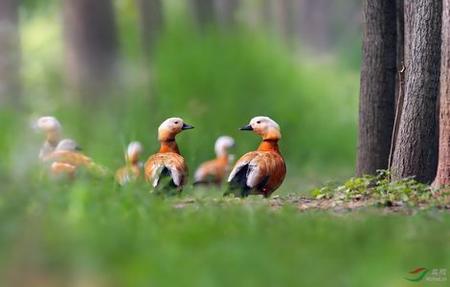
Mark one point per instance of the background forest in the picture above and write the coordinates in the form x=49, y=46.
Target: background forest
x=112, y=70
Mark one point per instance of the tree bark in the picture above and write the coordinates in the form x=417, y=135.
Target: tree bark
x=226, y=12
x=443, y=170
x=91, y=46
x=377, y=94
x=415, y=153
x=203, y=12
x=151, y=22
x=9, y=54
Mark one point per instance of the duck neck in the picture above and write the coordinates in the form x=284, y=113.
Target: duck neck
x=53, y=138
x=223, y=157
x=269, y=145
x=169, y=145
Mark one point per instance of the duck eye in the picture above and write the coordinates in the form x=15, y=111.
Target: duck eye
x=258, y=122
x=176, y=122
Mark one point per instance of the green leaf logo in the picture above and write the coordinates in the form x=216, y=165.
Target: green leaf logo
x=421, y=272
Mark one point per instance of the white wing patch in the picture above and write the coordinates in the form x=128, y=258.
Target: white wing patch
x=236, y=169
x=253, y=175
x=156, y=174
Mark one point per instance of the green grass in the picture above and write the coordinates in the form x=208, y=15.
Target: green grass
x=94, y=232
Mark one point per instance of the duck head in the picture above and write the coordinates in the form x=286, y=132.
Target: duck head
x=171, y=127
x=222, y=145
x=68, y=145
x=265, y=127
x=50, y=126
x=133, y=151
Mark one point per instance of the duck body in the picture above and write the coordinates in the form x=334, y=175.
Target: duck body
x=166, y=170
x=67, y=159
x=261, y=171
x=132, y=170
x=215, y=170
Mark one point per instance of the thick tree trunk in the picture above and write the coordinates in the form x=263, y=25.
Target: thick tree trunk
x=377, y=95
x=151, y=22
x=415, y=153
x=91, y=46
x=443, y=171
x=9, y=53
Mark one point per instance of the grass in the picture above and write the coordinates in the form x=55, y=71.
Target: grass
x=94, y=233
x=106, y=236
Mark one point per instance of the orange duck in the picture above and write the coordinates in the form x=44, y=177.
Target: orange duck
x=213, y=171
x=132, y=170
x=67, y=158
x=167, y=170
x=261, y=171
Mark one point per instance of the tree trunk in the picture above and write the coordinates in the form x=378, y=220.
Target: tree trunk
x=377, y=94
x=443, y=170
x=91, y=46
x=415, y=153
x=9, y=54
x=314, y=24
x=151, y=22
x=203, y=12
x=226, y=12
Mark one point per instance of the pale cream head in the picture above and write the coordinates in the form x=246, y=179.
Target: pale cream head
x=171, y=127
x=68, y=145
x=222, y=145
x=48, y=124
x=133, y=151
x=267, y=128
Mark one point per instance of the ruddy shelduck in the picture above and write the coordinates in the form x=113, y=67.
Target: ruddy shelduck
x=214, y=171
x=261, y=171
x=132, y=170
x=167, y=170
x=67, y=158
x=51, y=127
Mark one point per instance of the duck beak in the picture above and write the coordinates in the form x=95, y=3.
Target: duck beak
x=186, y=127
x=246, y=128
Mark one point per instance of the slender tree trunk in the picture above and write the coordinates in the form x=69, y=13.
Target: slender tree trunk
x=415, y=151
x=203, y=12
x=91, y=46
x=377, y=95
x=226, y=12
x=9, y=54
x=443, y=171
x=151, y=22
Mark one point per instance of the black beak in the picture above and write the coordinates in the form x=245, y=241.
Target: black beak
x=186, y=127
x=246, y=128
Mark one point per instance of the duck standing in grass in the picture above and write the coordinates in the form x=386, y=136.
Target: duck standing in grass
x=214, y=171
x=167, y=170
x=261, y=171
x=51, y=127
x=67, y=158
x=132, y=170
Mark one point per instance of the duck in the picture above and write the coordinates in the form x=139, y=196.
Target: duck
x=132, y=170
x=166, y=170
x=52, y=129
x=215, y=170
x=67, y=159
x=262, y=171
